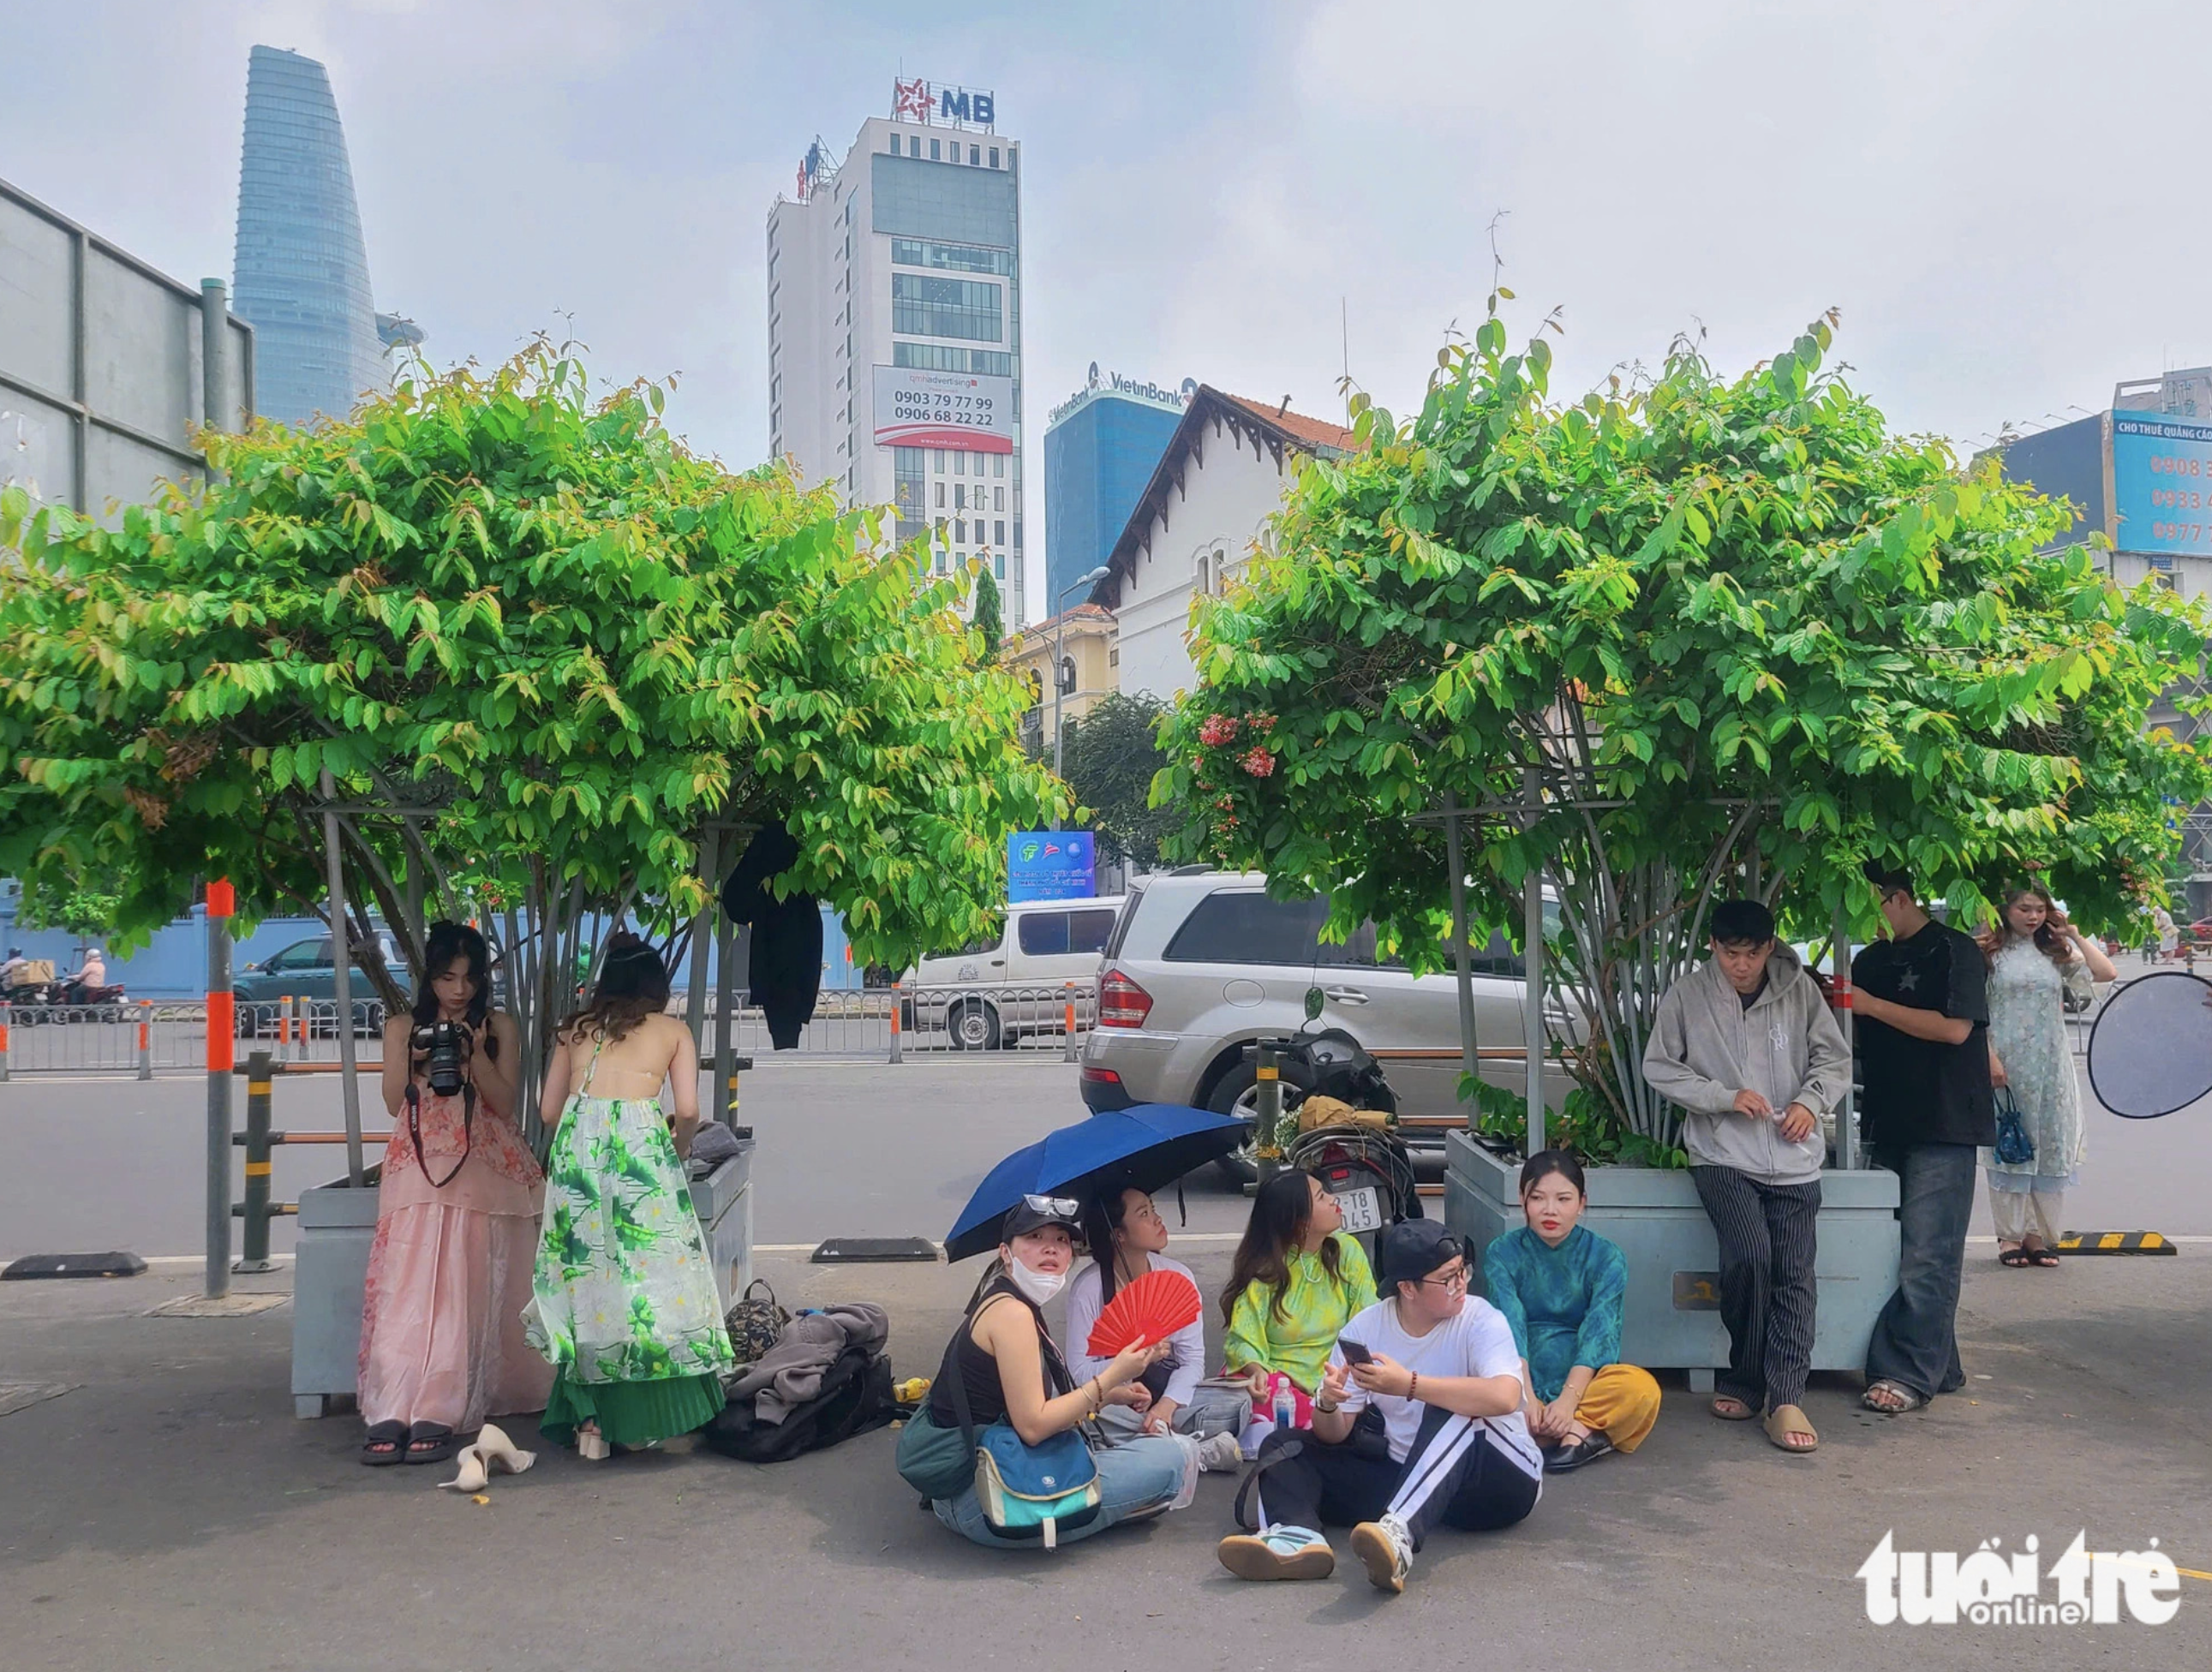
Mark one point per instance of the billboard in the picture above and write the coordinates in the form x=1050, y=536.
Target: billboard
x=1050, y=865
x=920, y=409
x=2162, y=484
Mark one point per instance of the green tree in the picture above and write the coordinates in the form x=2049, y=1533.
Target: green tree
x=1734, y=634
x=532, y=614
x=1109, y=758
x=987, y=623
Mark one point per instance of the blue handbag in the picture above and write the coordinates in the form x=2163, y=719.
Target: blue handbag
x=2013, y=1147
x=1028, y=1491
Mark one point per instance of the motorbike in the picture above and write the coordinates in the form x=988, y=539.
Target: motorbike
x=67, y=1000
x=1364, y=1164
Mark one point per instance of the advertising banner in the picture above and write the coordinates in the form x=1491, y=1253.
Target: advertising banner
x=1050, y=865
x=920, y=409
x=2162, y=484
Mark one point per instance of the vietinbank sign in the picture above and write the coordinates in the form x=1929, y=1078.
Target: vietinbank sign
x=1113, y=383
x=928, y=102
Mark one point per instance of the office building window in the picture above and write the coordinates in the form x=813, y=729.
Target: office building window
x=999, y=464
x=994, y=156
x=940, y=495
x=997, y=499
x=999, y=565
x=953, y=257
x=959, y=463
x=909, y=482
x=1018, y=533
x=933, y=156
x=974, y=157
x=943, y=357
x=928, y=307
x=998, y=534
x=959, y=530
x=940, y=465
x=960, y=497
x=943, y=557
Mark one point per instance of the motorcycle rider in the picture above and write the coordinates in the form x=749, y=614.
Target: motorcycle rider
x=86, y=981
x=11, y=971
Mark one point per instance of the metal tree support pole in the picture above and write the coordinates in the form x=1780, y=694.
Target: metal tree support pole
x=702, y=939
x=1847, y=1135
x=259, y=1087
x=726, y=1020
x=1532, y=1013
x=1462, y=954
x=222, y=1051
x=341, y=981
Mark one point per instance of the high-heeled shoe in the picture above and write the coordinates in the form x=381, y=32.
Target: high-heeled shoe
x=493, y=1453
x=592, y=1445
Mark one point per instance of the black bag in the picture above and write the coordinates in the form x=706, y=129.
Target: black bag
x=856, y=1397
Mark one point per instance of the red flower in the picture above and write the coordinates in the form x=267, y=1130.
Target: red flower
x=1218, y=730
x=1257, y=761
x=1260, y=725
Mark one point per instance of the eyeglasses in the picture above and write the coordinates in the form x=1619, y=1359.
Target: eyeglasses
x=1450, y=1280
x=1056, y=1207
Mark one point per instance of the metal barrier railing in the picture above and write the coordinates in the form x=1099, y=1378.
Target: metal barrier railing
x=145, y=1037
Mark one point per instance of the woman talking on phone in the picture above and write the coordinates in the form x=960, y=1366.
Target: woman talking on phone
x=441, y=1337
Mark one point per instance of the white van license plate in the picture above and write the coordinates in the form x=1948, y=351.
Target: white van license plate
x=1361, y=1211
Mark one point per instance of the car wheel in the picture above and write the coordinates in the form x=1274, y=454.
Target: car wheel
x=369, y=1022
x=1237, y=1093
x=973, y=1026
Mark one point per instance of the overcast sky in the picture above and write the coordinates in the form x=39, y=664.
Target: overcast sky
x=2008, y=202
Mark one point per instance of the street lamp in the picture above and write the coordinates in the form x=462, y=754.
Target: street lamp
x=1059, y=639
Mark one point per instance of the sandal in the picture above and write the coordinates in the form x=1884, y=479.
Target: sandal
x=1729, y=1408
x=1892, y=1399
x=431, y=1443
x=2041, y=1255
x=2015, y=1257
x=381, y=1444
x=1787, y=1427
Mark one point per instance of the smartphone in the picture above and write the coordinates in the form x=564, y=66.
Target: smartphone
x=1353, y=1352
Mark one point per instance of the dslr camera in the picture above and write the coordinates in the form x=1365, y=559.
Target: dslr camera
x=447, y=1046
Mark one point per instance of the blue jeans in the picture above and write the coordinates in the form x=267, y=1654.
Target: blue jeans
x=1136, y=1478
x=1916, y=1339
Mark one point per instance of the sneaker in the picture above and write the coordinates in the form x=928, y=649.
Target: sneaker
x=1278, y=1553
x=1219, y=1454
x=1388, y=1551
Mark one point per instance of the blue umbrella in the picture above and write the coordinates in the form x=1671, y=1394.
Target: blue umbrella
x=1137, y=1149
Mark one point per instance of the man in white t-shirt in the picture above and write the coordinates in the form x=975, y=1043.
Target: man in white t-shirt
x=1422, y=1425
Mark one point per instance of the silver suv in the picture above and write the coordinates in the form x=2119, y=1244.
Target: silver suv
x=1201, y=964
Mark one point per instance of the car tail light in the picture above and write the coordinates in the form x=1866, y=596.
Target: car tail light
x=1102, y=1077
x=1121, y=1002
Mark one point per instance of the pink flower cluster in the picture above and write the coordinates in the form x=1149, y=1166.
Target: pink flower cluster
x=1257, y=761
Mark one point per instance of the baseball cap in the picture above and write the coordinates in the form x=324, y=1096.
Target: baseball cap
x=1032, y=1213
x=1410, y=1250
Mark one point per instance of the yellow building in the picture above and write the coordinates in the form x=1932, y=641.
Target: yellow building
x=1087, y=643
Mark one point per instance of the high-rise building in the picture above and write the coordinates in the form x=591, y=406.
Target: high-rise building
x=895, y=327
x=1101, y=446
x=301, y=271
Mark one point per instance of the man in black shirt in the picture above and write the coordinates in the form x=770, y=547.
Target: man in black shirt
x=1921, y=998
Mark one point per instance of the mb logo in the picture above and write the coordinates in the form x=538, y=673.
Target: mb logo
x=1988, y=1587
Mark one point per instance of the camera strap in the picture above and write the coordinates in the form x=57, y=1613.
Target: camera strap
x=468, y=1131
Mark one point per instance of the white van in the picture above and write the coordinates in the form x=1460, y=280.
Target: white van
x=1019, y=983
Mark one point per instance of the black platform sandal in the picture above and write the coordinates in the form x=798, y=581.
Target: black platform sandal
x=384, y=1443
x=431, y=1443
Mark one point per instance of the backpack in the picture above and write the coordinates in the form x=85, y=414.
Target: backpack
x=856, y=1397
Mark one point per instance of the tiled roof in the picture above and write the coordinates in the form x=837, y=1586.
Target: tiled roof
x=1315, y=432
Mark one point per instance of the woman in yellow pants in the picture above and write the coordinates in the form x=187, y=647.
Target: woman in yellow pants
x=1559, y=1284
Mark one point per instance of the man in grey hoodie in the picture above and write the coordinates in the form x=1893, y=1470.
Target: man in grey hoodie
x=1746, y=1046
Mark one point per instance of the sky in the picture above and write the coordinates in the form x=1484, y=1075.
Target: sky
x=2006, y=203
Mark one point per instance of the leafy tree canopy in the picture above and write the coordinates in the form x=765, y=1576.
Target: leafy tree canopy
x=988, y=623
x=1110, y=757
x=532, y=610
x=1733, y=632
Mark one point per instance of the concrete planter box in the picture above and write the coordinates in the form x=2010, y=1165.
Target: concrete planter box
x=1671, y=1320
x=337, y=1223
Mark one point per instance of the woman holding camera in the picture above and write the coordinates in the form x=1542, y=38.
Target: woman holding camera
x=627, y=1309
x=441, y=1339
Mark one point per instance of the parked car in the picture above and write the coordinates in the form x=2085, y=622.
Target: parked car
x=1201, y=964
x=306, y=970
x=1016, y=982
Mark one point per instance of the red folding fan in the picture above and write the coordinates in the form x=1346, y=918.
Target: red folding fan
x=1149, y=1311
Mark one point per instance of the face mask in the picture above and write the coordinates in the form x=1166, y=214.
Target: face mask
x=1039, y=1286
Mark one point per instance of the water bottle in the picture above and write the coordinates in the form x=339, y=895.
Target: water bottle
x=1287, y=1407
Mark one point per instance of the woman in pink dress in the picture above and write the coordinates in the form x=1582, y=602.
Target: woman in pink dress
x=442, y=1333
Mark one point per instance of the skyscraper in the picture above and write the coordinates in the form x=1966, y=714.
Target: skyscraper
x=301, y=271
x=895, y=327
x=1101, y=448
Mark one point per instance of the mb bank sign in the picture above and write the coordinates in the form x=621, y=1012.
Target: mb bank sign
x=1050, y=865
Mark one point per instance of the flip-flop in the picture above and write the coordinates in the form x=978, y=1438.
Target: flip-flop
x=431, y=1443
x=2045, y=1255
x=1741, y=1410
x=390, y=1437
x=1911, y=1400
x=1785, y=1421
x=2015, y=1257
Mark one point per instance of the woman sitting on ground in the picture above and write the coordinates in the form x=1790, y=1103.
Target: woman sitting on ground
x=1560, y=1285
x=1127, y=1238
x=1008, y=1367
x=626, y=1305
x=1296, y=1279
x=441, y=1337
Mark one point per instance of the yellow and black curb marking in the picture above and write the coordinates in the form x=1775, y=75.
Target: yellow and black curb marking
x=2115, y=1241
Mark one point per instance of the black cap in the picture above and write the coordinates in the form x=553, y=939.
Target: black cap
x=1033, y=1213
x=1410, y=1250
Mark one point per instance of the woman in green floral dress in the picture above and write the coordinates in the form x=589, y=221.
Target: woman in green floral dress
x=625, y=1303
